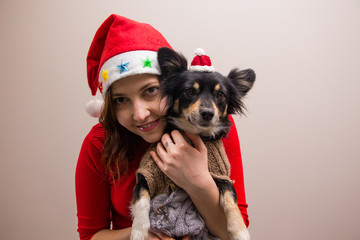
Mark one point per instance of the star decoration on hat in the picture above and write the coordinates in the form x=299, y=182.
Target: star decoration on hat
x=123, y=66
x=105, y=75
x=147, y=62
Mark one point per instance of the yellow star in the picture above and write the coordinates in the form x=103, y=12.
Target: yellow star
x=105, y=75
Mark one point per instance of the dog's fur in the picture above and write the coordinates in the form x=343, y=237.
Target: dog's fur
x=200, y=103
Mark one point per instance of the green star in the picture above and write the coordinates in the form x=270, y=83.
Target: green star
x=147, y=62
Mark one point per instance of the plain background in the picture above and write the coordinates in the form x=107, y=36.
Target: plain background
x=300, y=138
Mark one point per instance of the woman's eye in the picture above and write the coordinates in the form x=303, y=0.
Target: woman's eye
x=152, y=90
x=120, y=100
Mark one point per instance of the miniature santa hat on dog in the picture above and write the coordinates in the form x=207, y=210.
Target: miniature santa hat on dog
x=121, y=47
x=201, y=62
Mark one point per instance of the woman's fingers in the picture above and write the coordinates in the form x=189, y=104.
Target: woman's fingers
x=158, y=235
x=196, y=141
x=166, y=141
x=157, y=159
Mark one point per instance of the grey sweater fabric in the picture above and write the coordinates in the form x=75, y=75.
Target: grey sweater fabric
x=175, y=215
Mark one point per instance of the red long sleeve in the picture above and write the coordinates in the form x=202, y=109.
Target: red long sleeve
x=92, y=187
x=232, y=148
x=101, y=203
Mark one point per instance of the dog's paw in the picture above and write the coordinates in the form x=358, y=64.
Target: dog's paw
x=141, y=222
x=140, y=228
x=240, y=235
x=139, y=233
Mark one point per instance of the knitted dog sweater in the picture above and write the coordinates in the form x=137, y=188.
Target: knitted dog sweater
x=176, y=216
x=158, y=182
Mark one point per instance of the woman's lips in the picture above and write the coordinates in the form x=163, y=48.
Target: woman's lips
x=148, y=126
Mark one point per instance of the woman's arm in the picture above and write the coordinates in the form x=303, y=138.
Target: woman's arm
x=124, y=234
x=206, y=199
x=93, y=193
x=92, y=187
x=187, y=166
x=107, y=234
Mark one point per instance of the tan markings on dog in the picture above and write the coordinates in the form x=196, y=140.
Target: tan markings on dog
x=217, y=87
x=144, y=194
x=246, y=83
x=184, y=124
x=193, y=108
x=235, y=223
x=225, y=111
x=197, y=87
x=176, y=106
x=216, y=110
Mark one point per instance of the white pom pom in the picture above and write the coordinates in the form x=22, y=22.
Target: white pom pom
x=94, y=107
x=199, y=52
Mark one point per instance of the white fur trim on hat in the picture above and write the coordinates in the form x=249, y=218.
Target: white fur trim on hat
x=94, y=107
x=133, y=62
x=201, y=68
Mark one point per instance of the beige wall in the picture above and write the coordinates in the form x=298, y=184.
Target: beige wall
x=300, y=140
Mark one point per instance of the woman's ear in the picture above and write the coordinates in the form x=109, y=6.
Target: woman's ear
x=243, y=80
x=170, y=62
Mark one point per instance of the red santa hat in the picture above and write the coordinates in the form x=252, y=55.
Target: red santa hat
x=121, y=47
x=201, y=62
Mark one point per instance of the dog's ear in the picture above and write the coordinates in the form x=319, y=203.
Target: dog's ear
x=170, y=62
x=242, y=81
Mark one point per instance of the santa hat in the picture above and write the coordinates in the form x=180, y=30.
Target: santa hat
x=201, y=62
x=121, y=47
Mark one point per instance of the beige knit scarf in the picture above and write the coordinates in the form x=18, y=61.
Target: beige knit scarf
x=158, y=182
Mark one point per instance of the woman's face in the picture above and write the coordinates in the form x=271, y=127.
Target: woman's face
x=139, y=106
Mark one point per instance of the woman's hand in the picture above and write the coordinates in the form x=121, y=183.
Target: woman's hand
x=185, y=165
x=157, y=236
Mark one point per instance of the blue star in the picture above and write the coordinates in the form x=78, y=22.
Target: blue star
x=123, y=67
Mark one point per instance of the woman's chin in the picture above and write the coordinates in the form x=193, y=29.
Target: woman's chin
x=152, y=139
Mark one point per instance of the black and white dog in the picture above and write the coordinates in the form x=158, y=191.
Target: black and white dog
x=200, y=103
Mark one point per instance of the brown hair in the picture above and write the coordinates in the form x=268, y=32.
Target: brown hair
x=117, y=139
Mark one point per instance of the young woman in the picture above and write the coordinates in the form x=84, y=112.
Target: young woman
x=122, y=64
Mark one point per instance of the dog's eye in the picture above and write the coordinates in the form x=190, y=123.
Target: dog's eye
x=220, y=96
x=190, y=92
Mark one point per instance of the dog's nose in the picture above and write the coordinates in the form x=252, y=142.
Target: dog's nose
x=207, y=114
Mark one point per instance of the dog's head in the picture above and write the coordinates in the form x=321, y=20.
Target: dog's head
x=200, y=102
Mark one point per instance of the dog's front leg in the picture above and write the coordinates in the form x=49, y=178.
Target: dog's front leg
x=140, y=208
x=235, y=223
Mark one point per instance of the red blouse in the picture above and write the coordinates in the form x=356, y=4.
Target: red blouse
x=102, y=203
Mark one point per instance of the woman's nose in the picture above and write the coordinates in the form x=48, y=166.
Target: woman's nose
x=141, y=111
